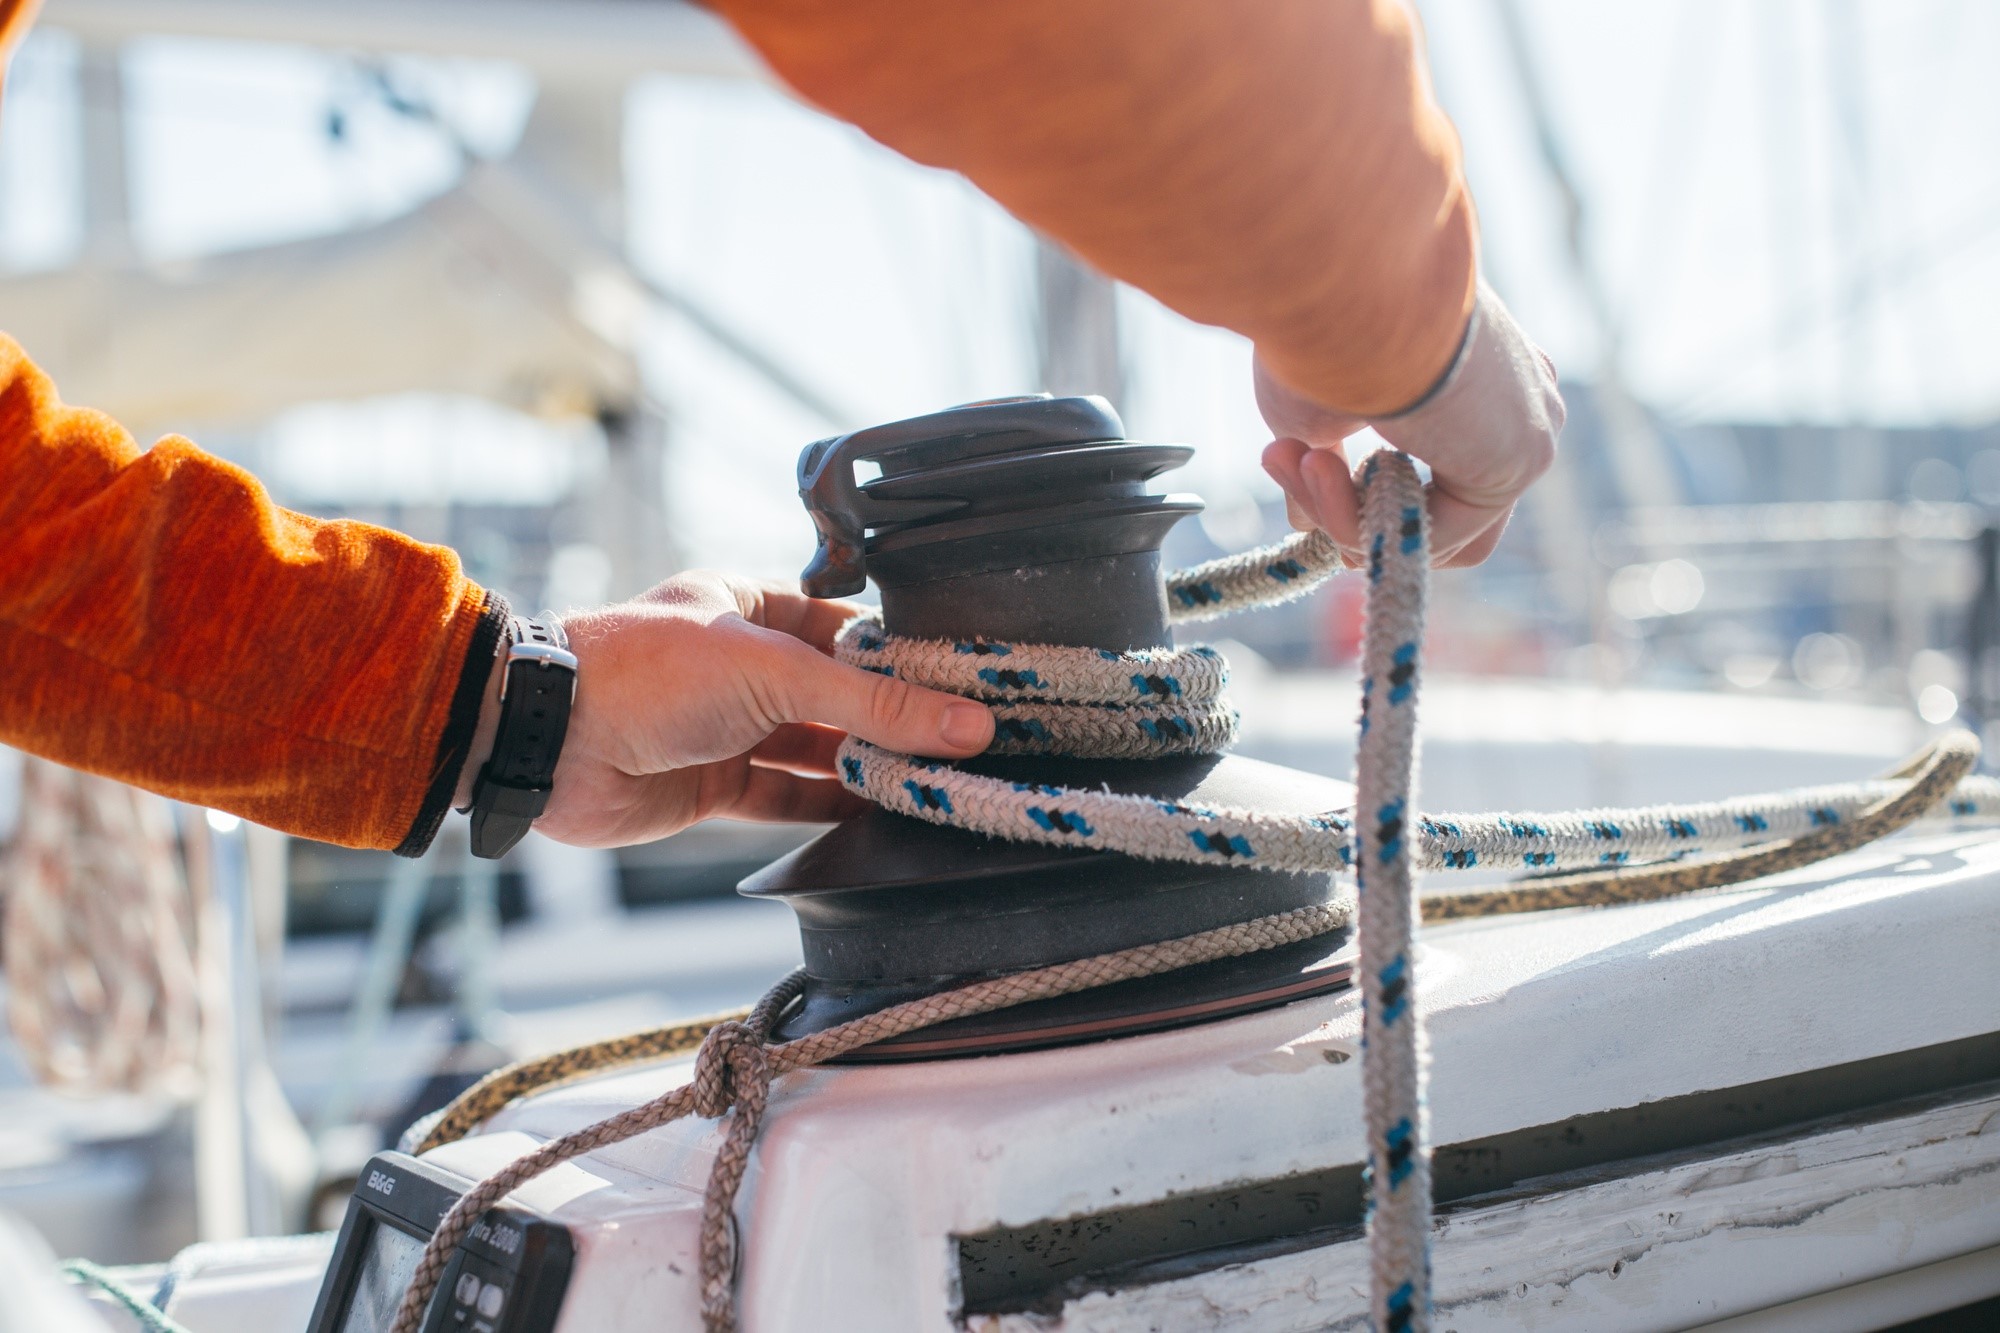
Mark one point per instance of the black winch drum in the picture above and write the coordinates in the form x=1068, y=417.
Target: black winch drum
x=1027, y=521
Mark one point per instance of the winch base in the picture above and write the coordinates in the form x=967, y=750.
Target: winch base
x=1205, y=993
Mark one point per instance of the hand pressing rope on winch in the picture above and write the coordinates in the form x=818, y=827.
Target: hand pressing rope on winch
x=1085, y=702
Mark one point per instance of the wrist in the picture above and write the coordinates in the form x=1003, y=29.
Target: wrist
x=511, y=789
x=1454, y=371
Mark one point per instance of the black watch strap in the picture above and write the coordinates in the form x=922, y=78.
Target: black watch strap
x=537, y=686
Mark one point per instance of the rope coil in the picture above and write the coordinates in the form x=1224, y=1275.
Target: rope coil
x=1047, y=699
x=1086, y=703
x=102, y=994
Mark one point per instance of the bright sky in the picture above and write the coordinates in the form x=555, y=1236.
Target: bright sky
x=1794, y=208
x=1794, y=204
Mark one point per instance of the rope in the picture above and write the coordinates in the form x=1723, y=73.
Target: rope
x=1083, y=702
x=1933, y=772
x=148, y=1316
x=1268, y=576
x=99, y=931
x=721, y=1061
x=1934, y=775
x=1392, y=1035
x=1076, y=701
x=510, y=1083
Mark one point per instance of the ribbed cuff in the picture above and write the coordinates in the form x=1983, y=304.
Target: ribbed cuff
x=455, y=743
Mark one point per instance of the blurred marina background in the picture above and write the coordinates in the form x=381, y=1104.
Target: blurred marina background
x=567, y=284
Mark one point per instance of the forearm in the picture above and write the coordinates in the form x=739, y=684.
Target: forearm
x=1279, y=168
x=15, y=16
x=164, y=623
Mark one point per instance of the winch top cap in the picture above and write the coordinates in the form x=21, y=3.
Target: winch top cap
x=843, y=509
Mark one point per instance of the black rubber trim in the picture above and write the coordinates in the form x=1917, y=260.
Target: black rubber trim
x=455, y=742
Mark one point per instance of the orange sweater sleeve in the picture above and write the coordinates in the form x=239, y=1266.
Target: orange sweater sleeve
x=1277, y=167
x=164, y=623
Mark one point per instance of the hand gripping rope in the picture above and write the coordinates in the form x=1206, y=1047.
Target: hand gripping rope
x=1087, y=703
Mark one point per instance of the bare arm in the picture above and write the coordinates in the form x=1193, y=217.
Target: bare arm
x=1276, y=167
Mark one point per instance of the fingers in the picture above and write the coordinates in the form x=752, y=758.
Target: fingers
x=769, y=796
x=809, y=687
x=782, y=607
x=1319, y=491
x=658, y=805
x=805, y=748
x=1476, y=550
x=1331, y=496
x=1457, y=526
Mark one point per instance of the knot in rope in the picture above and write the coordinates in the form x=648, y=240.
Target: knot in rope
x=729, y=1070
x=731, y=1073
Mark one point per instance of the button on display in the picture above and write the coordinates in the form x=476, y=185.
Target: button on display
x=491, y=1299
x=467, y=1289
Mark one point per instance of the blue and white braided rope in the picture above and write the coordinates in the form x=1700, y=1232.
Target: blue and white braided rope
x=1264, y=577
x=1076, y=701
x=1092, y=704
x=1530, y=841
x=1394, y=518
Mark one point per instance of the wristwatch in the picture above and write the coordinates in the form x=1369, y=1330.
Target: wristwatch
x=537, y=686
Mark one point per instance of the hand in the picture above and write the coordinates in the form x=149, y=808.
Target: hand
x=716, y=696
x=1487, y=435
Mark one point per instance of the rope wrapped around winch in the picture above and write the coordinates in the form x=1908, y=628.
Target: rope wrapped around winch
x=1053, y=700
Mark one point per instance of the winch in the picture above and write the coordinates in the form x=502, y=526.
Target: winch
x=1172, y=1180
x=1025, y=520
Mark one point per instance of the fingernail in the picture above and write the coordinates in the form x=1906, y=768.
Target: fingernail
x=966, y=726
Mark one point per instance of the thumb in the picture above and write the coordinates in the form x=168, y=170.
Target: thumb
x=881, y=709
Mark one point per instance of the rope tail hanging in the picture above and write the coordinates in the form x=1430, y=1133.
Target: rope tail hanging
x=1392, y=1033
x=1087, y=703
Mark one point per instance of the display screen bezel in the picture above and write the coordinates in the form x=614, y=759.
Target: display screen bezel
x=371, y=1226
x=412, y=1196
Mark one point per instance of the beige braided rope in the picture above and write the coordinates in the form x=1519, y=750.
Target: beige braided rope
x=99, y=932
x=510, y=1083
x=735, y=1067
